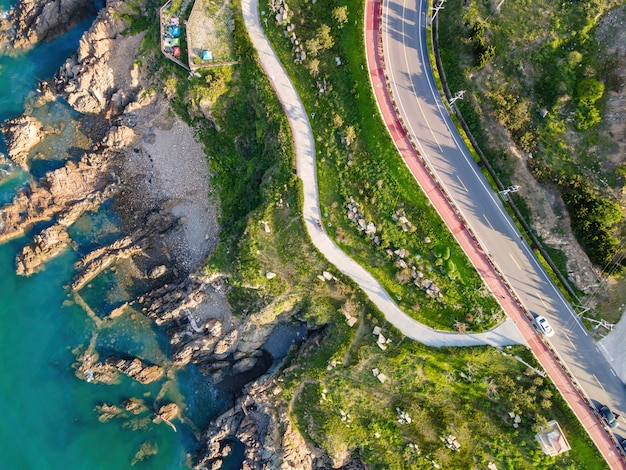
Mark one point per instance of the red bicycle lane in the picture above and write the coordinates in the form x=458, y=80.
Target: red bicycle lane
x=546, y=356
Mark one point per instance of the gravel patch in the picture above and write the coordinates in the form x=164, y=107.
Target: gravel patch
x=167, y=171
x=181, y=176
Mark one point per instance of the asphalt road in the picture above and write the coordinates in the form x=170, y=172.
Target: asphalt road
x=429, y=125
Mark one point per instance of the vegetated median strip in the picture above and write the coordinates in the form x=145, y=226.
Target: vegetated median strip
x=306, y=167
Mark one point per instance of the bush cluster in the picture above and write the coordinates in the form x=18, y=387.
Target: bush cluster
x=483, y=52
x=594, y=218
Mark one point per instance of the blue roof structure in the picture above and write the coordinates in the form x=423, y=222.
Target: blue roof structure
x=175, y=31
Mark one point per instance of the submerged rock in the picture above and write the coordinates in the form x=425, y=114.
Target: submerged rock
x=130, y=407
x=147, y=449
x=107, y=412
x=135, y=406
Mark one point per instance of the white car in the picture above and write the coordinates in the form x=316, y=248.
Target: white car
x=543, y=326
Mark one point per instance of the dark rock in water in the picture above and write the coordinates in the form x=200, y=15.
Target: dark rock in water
x=283, y=337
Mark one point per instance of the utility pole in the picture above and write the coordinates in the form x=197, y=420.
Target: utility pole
x=511, y=189
x=436, y=9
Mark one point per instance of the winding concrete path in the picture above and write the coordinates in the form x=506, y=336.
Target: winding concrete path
x=504, y=334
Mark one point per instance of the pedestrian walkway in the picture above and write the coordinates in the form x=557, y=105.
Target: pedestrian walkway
x=504, y=334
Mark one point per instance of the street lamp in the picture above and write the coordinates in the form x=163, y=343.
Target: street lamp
x=436, y=9
x=457, y=96
x=510, y=189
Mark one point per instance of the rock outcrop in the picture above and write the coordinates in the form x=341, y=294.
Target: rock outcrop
x=269, y=438
x=33, y=21
x=136, y=369
x=167, y=412
x=22, y=134
x=103, y=67
x=96, y=261
x=48, y=243
x=88, y=368
x=88, y=179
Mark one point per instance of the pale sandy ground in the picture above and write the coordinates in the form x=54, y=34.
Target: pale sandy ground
x=172, y=169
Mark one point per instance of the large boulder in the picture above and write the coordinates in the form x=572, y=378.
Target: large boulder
x=136, y=369
x=119, y=137
x=49, y=243
x=21, y=135
x=34, y=21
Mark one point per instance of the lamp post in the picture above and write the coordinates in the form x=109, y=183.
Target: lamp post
x=436, y=9
x=510, y=189
x=457, y=96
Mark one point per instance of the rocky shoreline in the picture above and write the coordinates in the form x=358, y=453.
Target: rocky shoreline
x=32, y=21
x=149, y=164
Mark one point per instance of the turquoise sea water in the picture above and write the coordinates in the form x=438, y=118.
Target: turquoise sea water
x=47, y=417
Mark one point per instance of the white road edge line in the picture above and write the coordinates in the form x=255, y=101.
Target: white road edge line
x=607, y=354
